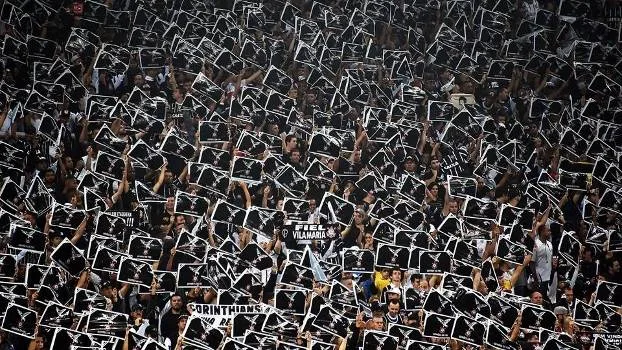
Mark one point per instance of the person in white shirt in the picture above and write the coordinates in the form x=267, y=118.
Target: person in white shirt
x=543, y=258
x=115, y=81
x=90, y=159
x=314, y=212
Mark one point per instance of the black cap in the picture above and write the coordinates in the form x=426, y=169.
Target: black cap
x=136, y=306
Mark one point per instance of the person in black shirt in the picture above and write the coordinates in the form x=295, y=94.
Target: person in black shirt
x=612, y=269
x=164, y=184
x=52, y=182
x=116, y=296
x=179, y=224
x=376, y=323
x=166, y=218
x=435, y=174
x=353, y=235
x=393, y=314
x=586, y=281
x=290, y=143
x=434, y=202
x=266, y=197
x=169, y=321
x=238, y=195
x=568, y=301
x=295, y=160
x=181, y=325
x=410, y=166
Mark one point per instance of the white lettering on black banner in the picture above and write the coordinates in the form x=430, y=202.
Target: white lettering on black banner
x=303, y=232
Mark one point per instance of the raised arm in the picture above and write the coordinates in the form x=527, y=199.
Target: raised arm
x=423, y=137
x=446, y=201
x=160, y=181
x=247, y=195
x=121, y=188
x=84, y=133
x=519, y=269
x=541, y=222
x=4, y=113
x=432, y=179
x=79, y=231
x=516, y=329
x=126, y=341
x=171, y=257
x=124, y=290
x=172, y=83
x=183, y=176
x=83, y=281
x=265, y=195
x=477, y=279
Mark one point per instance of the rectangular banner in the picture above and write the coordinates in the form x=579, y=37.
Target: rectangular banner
x=308, y=232
x=220, y=315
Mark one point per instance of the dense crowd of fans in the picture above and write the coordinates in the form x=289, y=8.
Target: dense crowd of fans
x=489, y=127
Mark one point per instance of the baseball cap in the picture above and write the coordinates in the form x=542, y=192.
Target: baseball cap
x=394, y=290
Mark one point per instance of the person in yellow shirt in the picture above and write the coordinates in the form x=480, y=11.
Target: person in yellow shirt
x=382, y=279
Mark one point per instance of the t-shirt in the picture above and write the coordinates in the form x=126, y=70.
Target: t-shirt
x=396, y=320
x=543, y=255
x=168, y=324
x=380, y=283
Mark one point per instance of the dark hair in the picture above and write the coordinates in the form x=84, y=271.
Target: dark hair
x=610, y=262
x=394, y=301
x=377, y=314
